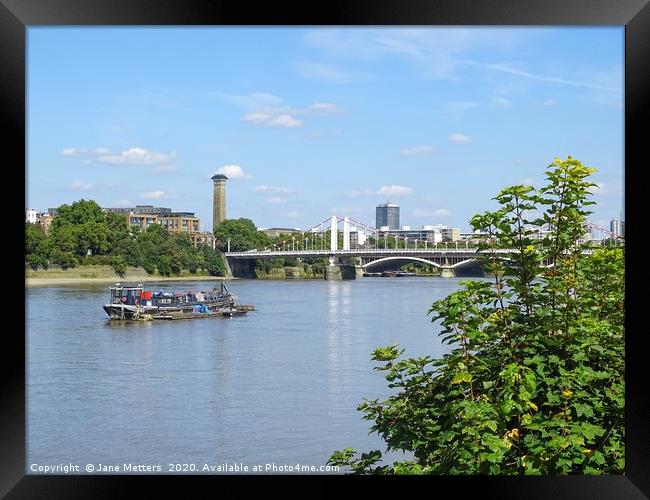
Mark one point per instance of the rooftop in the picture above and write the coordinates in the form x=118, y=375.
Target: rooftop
x=218, y=176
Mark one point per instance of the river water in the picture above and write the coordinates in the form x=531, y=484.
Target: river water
x=278, y=386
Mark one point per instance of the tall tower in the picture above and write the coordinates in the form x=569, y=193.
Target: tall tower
x=387, y=215
x=218, y=200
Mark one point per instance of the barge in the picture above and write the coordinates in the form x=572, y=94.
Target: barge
x=136, y=303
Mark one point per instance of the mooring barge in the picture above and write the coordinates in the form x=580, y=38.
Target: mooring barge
x=136, y=303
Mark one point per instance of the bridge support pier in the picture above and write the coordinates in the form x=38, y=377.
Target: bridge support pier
x=226, y=263
x=447, y=272
x=340, y=270
x=239, y=268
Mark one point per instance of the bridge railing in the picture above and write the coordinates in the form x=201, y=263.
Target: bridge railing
x=373, y=251
x=370, y=251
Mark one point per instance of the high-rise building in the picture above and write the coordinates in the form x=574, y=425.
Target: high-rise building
x=387, y=215
x=218, y=200
x=617, y=227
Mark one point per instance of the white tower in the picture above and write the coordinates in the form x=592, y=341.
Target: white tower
x=334, y=236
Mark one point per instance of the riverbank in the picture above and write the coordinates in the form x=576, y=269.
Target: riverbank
x=104, y=274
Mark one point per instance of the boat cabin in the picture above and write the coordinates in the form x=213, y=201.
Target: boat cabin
x=127, y=295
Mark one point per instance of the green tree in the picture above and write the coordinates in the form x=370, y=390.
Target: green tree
x=80, y=212
x=533, y=382
x=213, y=261
x=119, y=265
x=36, y=248
x=152, y=244
x=80, y=227
x=64, y=238
x=164, y=265
x=242, y=233
x=65, y=259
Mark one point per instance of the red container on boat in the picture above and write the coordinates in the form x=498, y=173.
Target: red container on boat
x=146, y=294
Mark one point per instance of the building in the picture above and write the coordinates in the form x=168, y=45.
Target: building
x=31, y=216
x=387, y=215
x=141, y=221
x=274, y=232
x=450, y=233
x=139, y=209
x=617, y=227
x=475, y=236
x=174, y=222
x=206, y=238
x=431, y=234
x=45, y=220
x=180, y=222
x=218, y=200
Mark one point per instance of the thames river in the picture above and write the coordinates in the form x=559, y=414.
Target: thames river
x=277, y=386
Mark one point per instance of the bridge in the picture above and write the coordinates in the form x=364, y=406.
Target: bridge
x=365, y=259
x=369, y=251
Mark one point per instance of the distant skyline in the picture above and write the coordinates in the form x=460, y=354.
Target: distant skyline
x=313, y=122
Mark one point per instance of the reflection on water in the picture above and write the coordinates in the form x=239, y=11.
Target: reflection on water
x=279, y=385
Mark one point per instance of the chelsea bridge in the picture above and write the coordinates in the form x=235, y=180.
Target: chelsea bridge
x=350, y=258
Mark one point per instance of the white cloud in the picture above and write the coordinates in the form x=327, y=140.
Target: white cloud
x=267, y=110
x=122, y=203
x=137, y=156
x=433, y=50
x=441, y=212
x=502, y=101
x=417, y=151
x=459, y=138
x=270, y=120
x=274, y=200
x=158, y=194
x=325, y=72
x=271, y=190
x=440, y=52
x=394, y=190
x=153, y=195
x=504, y=68
x=293, y=215
x=249, y=101
x=101, y=151
x=70, y=152
x=324, y=108
x=284, y=121
x=80, y=185
x=549, y=103
x=256, y=118
x=233, y=172
x=458, y=108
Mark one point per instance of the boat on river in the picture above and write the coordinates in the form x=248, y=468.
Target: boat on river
x=136, y=303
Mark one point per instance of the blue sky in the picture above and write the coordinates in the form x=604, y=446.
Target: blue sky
x=311, y=122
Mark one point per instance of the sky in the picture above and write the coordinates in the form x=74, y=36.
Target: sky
x=313, y=122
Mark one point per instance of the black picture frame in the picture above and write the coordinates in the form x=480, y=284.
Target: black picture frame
x=17, y=15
